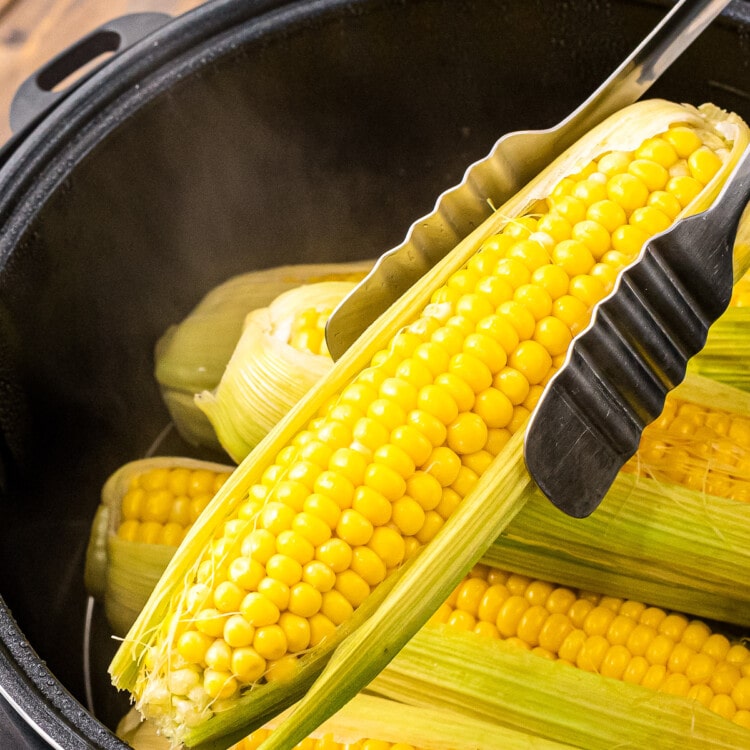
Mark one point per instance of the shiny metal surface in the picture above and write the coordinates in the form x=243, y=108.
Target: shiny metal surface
x=514, y=160
x=618, y=371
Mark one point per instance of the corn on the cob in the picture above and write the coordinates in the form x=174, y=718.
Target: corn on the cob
x=367, y=470
x=528, y=643
x=281, y=354
x=191, y=356
x=146, y=508
x=623, y=639
x=163, y=499
x=725, y=355
x=670, y=543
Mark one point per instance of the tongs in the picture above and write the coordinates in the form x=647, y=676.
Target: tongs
x=618, y=371
x=616, y=376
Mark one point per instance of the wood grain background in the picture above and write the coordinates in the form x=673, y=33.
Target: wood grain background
x=33, y=31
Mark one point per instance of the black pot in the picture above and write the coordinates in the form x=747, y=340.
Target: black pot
x=238, y=136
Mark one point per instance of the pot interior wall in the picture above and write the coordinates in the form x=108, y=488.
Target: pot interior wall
x=321, y=140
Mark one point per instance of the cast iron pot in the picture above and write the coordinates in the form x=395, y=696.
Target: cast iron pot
x=238, y=136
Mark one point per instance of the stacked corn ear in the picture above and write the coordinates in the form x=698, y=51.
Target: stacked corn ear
x=741, y=291
x=595, y=671
x=674, y=527
x=727, y=348
x=147, y=507
x=370, y=722
x=281, y=354
x=354, y=519
x=191, y=356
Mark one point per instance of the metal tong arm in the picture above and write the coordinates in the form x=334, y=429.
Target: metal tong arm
x=515, y=159
x=618, y=371
x=635, y=75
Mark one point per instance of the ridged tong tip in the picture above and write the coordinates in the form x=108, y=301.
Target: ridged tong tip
x=618, y=371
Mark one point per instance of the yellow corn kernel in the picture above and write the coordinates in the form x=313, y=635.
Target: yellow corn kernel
x=572, y=645
x=683, y=139
x=614, y=162
x=628, y=191
x=192, y=646
x=653, y=174
x=531, y=623
x=587, y=288
x=650, y=219
x=703, y=164
x=128, y=530
x=723, y=705
x=307, y=331
x=659, y=150
x=579, y=610
x=684, y=188
x=560, y=600
x=305, y=597
x=590, y=190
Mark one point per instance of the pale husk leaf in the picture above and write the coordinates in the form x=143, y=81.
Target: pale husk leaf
x=191, y=356
x=265, y=375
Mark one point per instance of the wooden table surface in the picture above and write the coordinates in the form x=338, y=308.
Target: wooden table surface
x=33, y=31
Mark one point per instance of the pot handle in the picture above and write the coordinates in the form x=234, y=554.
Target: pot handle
x=38, y=94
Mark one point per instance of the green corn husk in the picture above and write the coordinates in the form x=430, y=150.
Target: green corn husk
x=682, y=576
x=396, y=610
x=191, y=356
x=499, y=682
x=727, y=350
x=266, y=376
x=373, y=717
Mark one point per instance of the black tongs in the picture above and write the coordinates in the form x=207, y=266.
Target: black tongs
x=616, y=376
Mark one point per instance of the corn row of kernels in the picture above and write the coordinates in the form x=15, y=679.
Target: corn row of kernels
x=161, y=504
x=697, y=447
x=741, y=292
x=308, y=328
x=622, y=639
x=326, y=742
x=374, y=477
